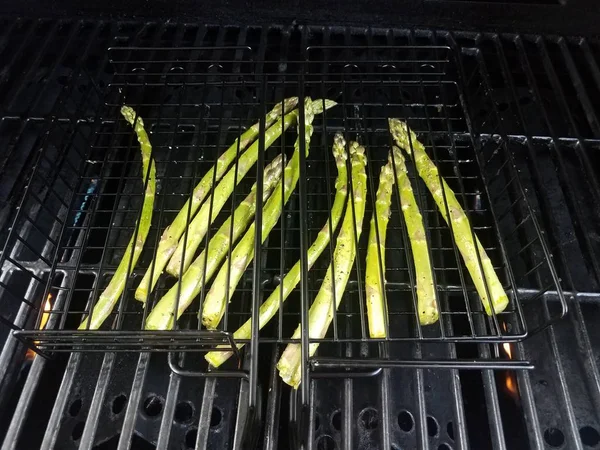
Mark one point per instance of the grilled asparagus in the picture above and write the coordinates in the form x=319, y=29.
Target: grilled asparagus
x=232, y=270
x=471, y=249
x=426, y=303
x=170, y=237
x=202, y=221
x=202, y=269
x=330, y=294
x=211, y=208
x=291, y=280
x=375, y=271
x=109, y=298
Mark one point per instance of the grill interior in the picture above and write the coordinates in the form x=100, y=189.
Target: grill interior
x=524, y=103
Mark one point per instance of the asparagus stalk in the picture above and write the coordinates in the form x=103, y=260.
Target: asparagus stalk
x=471, y=249
x=173, y=232
x=109, y=298
x=376, y=253
x=204, y=266
x=291, y=280
x=208, y=213
x=426, y=294
x=231, y=272
x=334, y=284
x=201, y=222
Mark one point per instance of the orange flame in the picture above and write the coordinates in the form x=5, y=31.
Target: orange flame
x=511, y=384
x=43, y=322
x=507, y=349
x=510, y=381
x=46, y=313
x=506, y=346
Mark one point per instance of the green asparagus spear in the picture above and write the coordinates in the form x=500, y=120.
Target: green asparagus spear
x=109, y=298
x=204, y=266
x=444, y=196
x=291, y=280
x=231, y=272
x=171, y=235
x=201, y=222
x=376, y=253
x=334, y=284
x=208, y=213
x=426, y=294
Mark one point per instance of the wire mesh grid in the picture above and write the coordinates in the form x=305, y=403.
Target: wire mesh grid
x=195, y=102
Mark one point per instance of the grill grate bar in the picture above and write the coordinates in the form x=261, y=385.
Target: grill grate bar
x=24, y=405
x=51, y=434
x=581, y=91
x=92, y=420
x=135, y=400
x=563, y=395
x=164, y=434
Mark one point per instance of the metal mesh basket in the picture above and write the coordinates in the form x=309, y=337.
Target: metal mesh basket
x=85, y=193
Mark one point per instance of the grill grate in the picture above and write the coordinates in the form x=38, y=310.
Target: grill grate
x=561, y=189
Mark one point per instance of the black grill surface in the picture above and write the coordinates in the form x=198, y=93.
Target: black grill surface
x=530, y=96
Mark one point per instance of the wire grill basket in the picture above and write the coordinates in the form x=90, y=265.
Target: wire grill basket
x=85, y=193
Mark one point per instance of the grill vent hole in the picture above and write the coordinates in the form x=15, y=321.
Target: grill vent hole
x=326, y=443
x=405, y=421
x=554, y=437
x=153, y=406
x=184, y=412
x=589, y=436
x=450, y=430
x=336, y=420
x=190, y=438
x=369, y=419
x=77, y=431
x=119, y=404
x=317, y=422
x=432, y=426
x=216, y=416
x=75, y=407
x=524, y=101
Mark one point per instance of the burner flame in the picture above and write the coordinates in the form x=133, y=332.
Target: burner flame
x=506, y=346
x=510, y=379
x=511, y=384
x=43, y=322
x=46, y=313
x=508, y=350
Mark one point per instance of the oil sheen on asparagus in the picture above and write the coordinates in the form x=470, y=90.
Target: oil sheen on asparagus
x=170, y=237
x=205, y=265
x=332, y=289
x=232, y=270
x=110, y=296
x=375, y=271
x=426, y=294
x=471, y=249
x=188, y=245
x=292, y=278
